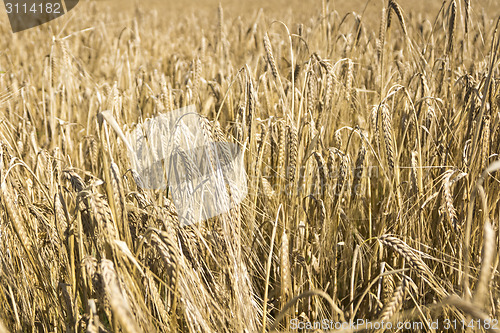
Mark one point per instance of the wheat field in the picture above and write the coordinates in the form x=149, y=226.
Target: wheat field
x=370, y=143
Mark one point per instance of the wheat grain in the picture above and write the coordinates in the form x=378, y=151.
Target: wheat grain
x=387, y=289
x=381, y=34
x=358, y=170
x=485, y=142
x=76, y=181
x=448, y=198
x=292, y=146
x=482, y=291
x=451, y=26
x=396, y=301
x=286, y=279
x=387, y=134
x=399, y=13
x=404, y=250
x=118, y=303
x=15, y=217
x=467, y=15
x=270, y=56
